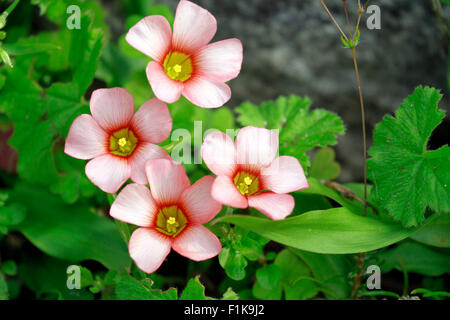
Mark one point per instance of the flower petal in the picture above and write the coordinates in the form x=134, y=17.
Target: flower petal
x=275, y=206
x=164, y=88
x=256, y=147
x=206, y=93
x=218, y=153
x=219, y=61
x=284, y=175
x=193, y=27
x=167, y=180
x=148, y=248
x=108, y=172
x=135, y=205
x=225, y=192
x=144, y=152
x=152, y=36
x=86, y=139
x=112, y=108
x=197, y=243
x=152, y=122
x=198, y=203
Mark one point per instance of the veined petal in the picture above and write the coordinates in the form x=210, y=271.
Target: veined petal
x=164, y=88
x=219, y=61
x=144, y=151
x=135, y=205
x=256, y=147
x=108, y=172
x=198, y=203
x=197, y=243
x=225, y=192
x=167, y=180
x=86, y=139
x=112, y=108
x=275, y=206
x=284, y=175
x=152, y=122
x=205, y=93
x=193, y=27
x=218, y=153
x=148, y=248
x=152, y=36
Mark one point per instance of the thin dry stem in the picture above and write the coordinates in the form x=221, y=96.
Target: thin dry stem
x=334, y=20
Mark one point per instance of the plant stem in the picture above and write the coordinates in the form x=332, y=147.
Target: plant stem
x=358, y=276
x=11, y=7
x=363, y=123
x=334, y=20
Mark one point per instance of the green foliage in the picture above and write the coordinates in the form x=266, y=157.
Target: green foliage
x=301, y=130
x=334, y=230
x=194, y=290
x=323, y=165
x=436, y=233
x=407, y=177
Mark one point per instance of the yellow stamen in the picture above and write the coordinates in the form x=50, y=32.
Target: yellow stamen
x=122, y=142
x=246, y=183
x=170, y=221
x=178, y=66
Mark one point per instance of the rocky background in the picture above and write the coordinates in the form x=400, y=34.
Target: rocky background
x=291, y=46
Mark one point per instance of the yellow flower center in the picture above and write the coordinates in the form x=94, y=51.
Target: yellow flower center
x=122, y=142
x=178, y=66
x=170, y=221
x=246, y=183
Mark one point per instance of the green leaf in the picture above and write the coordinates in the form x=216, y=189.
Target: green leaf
x=230, y=295
x=334, y=230
x=73, y=233
x=267, y=294
x=415, y=257
x=12, y=214
x=233, y=262
x=269, y=276
x=407, y=177
x=296, y=280
x=129, y=288
x=300, y=129
x=194, y=290
x=436, y=233
x=48, y=276
x=323, y=166
x=9, y=267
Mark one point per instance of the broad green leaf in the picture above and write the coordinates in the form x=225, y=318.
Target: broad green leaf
x=416, y=257
x=73, y=233
x=300, y=129
x=233, y=262
x=436, y=233
x=129, y=288
x=269, y=276
x=407, y=177
x=334, y=230
x=194, y=290
x=9, y=267
x=267, y=294
x=48, y=276
x=12, y=214
x=296, y=280
x=330, y=271
x=324, y=166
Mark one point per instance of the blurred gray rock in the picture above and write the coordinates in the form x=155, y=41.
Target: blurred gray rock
x=291, y=46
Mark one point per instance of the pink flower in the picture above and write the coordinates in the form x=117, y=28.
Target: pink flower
x=249, y=175
x=170, y=215
x=117, y=141
x=184, y=62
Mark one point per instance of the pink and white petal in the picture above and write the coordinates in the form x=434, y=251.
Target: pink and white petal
x=256, y=147
x=112, y=108
x=144, y=151
x=86, y=139
x=135, y=205
x=275, y=206
x=218, y=153
x=193, y=27
x=219, y=61
x=224, y=191
x=148, y=248
x=164, y=88
x=205, y=93
x=198, y=203
x=284, y=175
x=167, y=180
x=152, y=36
x=108, y=172
x=197, y=243
x=152, y=122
